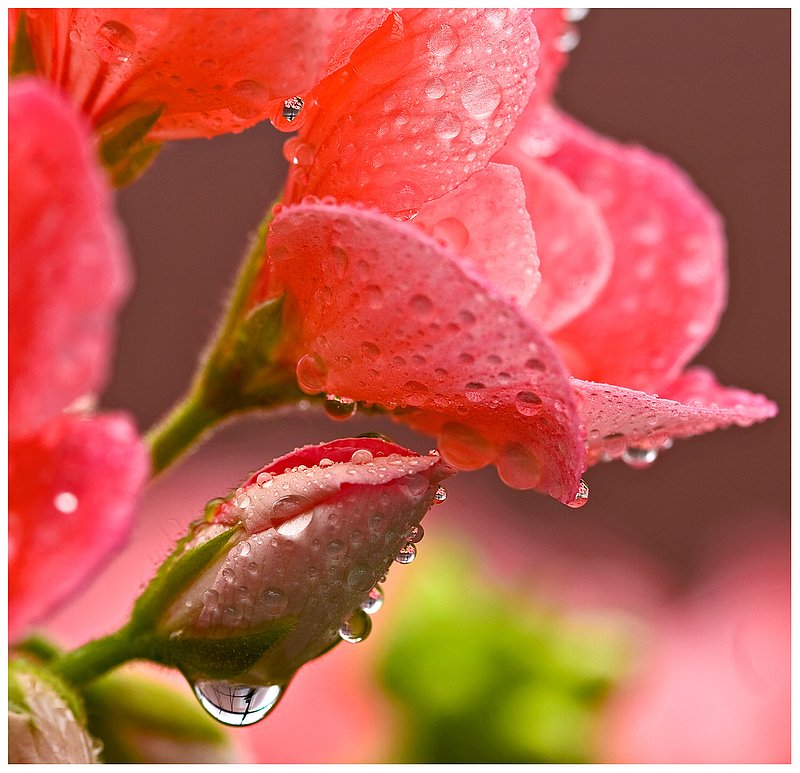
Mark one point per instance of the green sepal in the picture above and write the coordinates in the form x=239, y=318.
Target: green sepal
x=124, y=148
x=217, y=658
x=121, y=708
x=22, y=60
x=180, y=568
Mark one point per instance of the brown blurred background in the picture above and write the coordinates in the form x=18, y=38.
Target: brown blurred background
x=708, y=88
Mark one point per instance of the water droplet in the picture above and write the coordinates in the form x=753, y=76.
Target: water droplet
x=65, y=502
x=435, y=88
x=115, y=42
x=639, y=458
x=574, y=14
x=294, y=526
x=416, y=534
x=359, y=578
x=374, y=600
x=481, y=95
x=336, y=550
x=242, y=500
x=452, y=232
x=291, y=108
x=406, y=554
x=527, y=403
x=297, y=152
x=582, y=497
x=237, y=704
x=464, y=447
x=362, y=456
x=477, y=136
x=518, y=467
x=356, y=628
x=568, y=41
x=288, y=507
x=311, y=374
x=326, y=463
x=440, y=495
x=248, y=99
x=447, y=125
x=264, y=479
x=274, y=602
x=340, y=408
x=244, y=549
x=421, y=304
x=443, y=41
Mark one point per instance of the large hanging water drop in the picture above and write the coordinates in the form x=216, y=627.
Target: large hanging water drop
x=406, y=554
x=289, y=116
x=340, y=408
x=238, y=704
x=639, y=458
x=356, y=628
x=440, y=496
x=374, y=600
x=582, y=497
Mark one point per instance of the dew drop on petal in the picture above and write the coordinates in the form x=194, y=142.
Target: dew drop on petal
x=248, y=99
x=481, y=95
x=294, y=526
x=264, y=479
x=237, y=704
x=406, y=554
x=435, y=88
x=464, y=447
x=527, y=403
x=115, y=42
x=447, y=125
x=443, y=41
x=340, y=408
x=582, y=497
x=440, y=496
x=311, y=374
x=274, y=602
x=518, y=467
x=362, y=456
x=374, y=600
x=65, y=502
x=639, y=458
x=356, y=628
x=453, y=233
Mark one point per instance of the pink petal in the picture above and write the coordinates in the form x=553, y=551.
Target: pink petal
x=667, y=289
x=424, y=102
x=391, y=317
x=68, y=269
x=616, y=418
x=551, y=27
x=214, y=70
x=72, y=490
x=575, y=249
x=485, y=221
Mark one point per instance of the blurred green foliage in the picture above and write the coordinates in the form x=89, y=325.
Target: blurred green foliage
x=483, y=674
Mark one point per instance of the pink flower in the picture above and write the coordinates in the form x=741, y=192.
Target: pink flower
x=208, y=71
x=73, y=476
x=284, y=568
x=462, y=323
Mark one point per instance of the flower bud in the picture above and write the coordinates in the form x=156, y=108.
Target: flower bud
x=45, y=720
x=272, y=575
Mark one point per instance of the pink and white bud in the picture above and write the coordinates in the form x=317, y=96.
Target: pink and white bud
x=313, y=532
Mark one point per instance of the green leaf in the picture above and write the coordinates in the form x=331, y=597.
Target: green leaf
x=22, y=59
x=124, y=148
x=180, y=568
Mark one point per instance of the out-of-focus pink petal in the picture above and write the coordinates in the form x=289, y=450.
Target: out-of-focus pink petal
x=485, y=221
x=616, y=418
x=423, y=103
x=574, y=246
x=667, y=287
x=68, y=269
x=551, y=26
x=72, y=490
x=388, y=316
x=214, y=70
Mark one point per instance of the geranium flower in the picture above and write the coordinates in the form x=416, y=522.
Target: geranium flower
x=74, y=476
x=448, y=320
x=198, y=72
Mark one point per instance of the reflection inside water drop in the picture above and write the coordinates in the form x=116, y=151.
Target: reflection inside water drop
x=582, y=497
x=374, y=601
x=237, y=704
x=406, y=554
x=356, y=628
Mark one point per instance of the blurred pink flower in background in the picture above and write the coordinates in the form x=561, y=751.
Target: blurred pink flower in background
x=74, y=477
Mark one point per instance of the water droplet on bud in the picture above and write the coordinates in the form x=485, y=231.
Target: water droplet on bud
x=582, y=497
x=406, y=554
x=440, y=496
x=416, y=534
x=237, y=704
x=311, y=374
x=356, y=628
x=374, y=600
x=362, y=456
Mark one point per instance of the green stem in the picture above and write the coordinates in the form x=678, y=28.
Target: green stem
x=184, y=425
x=96, y=657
